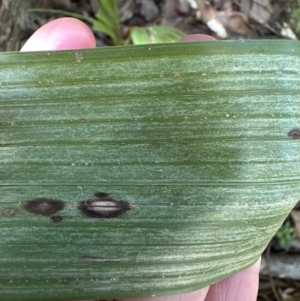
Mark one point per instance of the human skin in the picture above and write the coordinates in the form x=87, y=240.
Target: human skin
x=69, y=33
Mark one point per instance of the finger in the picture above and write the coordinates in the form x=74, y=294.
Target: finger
x=61, y=34
x=241, y=286
x=198, y=295
x=197, y=37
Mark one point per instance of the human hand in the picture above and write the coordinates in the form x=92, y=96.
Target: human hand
x=69, y=33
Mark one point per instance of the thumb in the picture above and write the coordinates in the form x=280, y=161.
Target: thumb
x=61, y=34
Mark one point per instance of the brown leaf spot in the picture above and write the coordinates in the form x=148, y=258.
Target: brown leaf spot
x=103, y=208
x=295, y=133
x=44, y=206
x=9, y=212
x=82, y=120
x=57, y=218
x=177, y=75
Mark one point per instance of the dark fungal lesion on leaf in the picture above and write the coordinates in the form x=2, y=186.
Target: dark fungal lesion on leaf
x=101, y=194
x=103, y=206
x=294, y=133
x=9, y=212
x=56, y=218
x=98, y=259
x=44, y=206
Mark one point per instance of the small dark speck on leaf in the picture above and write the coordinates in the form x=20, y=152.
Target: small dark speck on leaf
x=9, y=212
x=98, y=259
x=101, y=195
x=103, y=208
x=57, y=218
x=44, y=206
x=295, y=133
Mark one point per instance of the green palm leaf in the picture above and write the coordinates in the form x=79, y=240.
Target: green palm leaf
x=144, y=170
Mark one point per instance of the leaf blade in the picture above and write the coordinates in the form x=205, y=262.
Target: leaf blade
x=149, y=127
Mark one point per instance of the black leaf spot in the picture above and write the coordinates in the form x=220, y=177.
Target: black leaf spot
x=103, y=208
x=44, y=206
x=101, y=195
x=295, y=133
